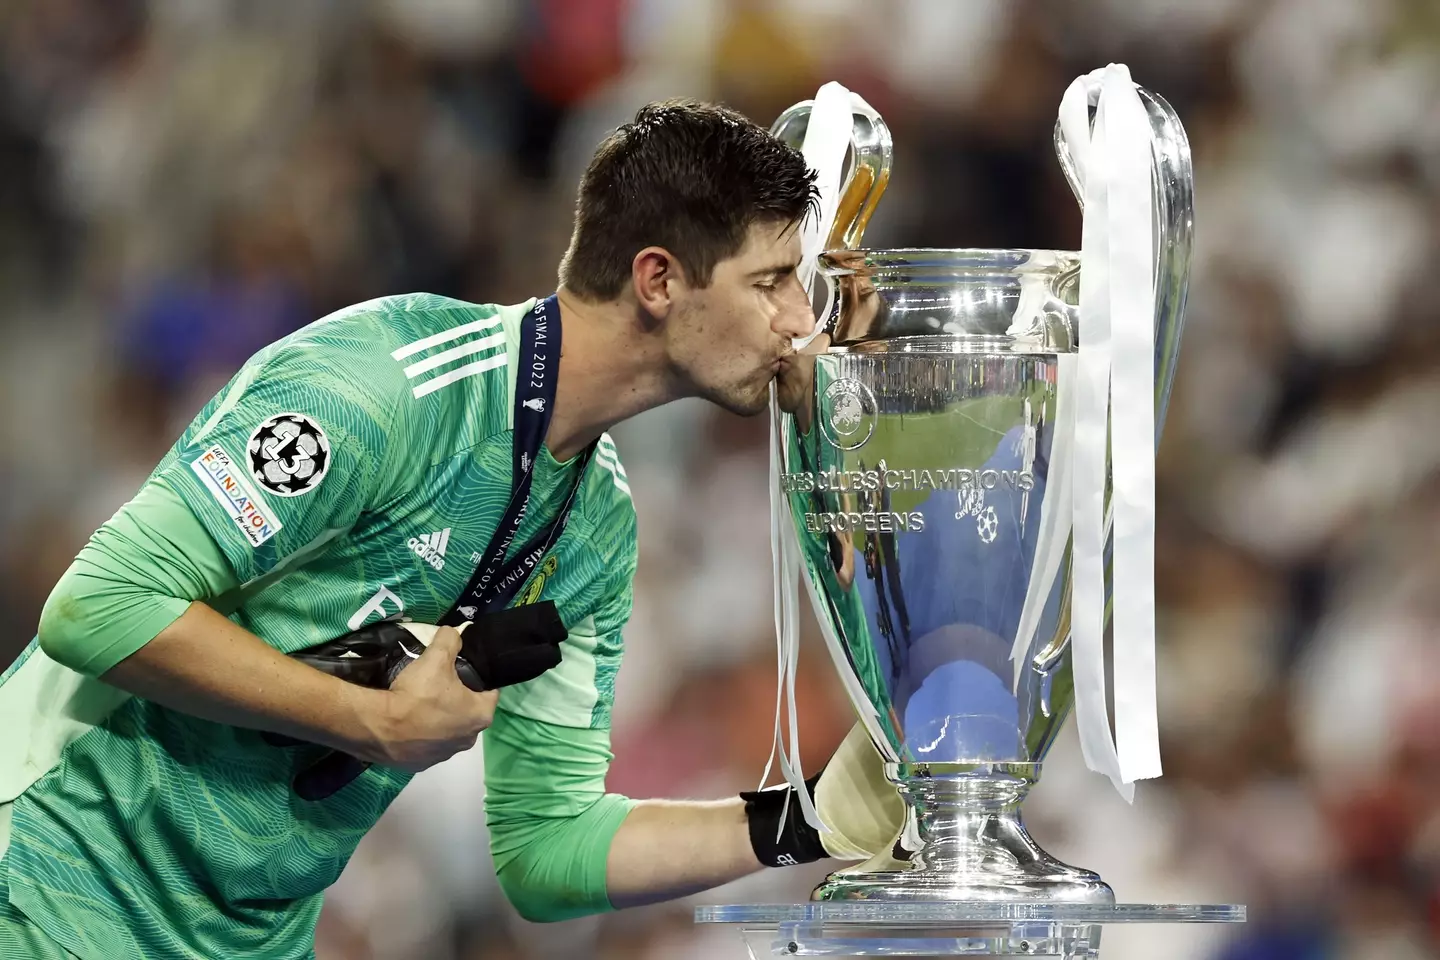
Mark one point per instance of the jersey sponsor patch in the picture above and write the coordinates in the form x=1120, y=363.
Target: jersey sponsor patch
x=289, y=454
x=228, y=484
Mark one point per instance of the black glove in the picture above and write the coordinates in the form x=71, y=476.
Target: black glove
x=506, y=647
x=797, y=841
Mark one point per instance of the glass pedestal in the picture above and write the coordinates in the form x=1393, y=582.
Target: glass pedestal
x=863, y=928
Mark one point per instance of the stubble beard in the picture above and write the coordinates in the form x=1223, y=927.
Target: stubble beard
x=745, y=400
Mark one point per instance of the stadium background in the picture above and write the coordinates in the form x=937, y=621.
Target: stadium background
x=181, y=182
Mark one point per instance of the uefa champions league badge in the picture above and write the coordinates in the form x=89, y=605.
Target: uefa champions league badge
x=972, y=504
x=847, y=413
x=289, y=454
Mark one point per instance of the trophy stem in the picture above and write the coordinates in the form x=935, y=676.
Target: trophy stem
x=964, y=839
x=960, y=820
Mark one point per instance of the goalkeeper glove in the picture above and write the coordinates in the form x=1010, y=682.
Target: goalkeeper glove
x=506, y=647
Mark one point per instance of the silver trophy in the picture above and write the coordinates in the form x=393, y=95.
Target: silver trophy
x=916, y=468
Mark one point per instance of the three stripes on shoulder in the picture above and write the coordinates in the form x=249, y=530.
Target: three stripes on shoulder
x=492, y=346
x=608, y=457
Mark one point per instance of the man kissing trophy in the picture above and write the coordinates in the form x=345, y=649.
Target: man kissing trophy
x=964, y=483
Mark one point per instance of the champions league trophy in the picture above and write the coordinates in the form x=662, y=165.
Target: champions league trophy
x=962, y=527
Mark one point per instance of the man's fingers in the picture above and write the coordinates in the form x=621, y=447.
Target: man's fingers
x=444, y=647
x=436, y=660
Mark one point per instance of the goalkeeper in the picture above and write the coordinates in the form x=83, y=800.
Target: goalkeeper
x=411, y=459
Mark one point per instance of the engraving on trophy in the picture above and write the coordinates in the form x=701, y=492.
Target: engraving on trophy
x=848, y=413
x=871, y=521
x=832, y=480
x=987, y=522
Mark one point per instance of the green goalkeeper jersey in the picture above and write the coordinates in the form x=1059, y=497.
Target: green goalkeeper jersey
x=349, y=473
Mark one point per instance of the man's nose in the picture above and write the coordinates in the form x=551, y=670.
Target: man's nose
x=796, y=317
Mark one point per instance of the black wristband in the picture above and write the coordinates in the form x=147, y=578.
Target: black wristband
x=778, y=844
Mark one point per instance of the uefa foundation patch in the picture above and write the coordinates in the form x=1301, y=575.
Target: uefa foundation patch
x=228, y=484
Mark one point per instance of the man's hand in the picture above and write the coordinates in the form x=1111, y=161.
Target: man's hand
x=667, y=849
x=429, y=715
x=210, y=667
x=861, y=809
x=429, y=721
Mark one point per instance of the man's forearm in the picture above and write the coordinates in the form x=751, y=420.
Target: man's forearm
x=668, y=848
x=209, y=667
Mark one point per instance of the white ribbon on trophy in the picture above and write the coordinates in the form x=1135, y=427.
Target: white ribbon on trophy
x=1115, y=390
x=1056, y=512
x=827, y=139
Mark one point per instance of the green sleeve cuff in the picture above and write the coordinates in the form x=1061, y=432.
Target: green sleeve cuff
x=564, y=877
x=135, y=577
x=128, y=619
x=551, y=822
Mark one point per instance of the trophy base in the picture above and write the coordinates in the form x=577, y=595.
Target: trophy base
x=963, y=840
x=957, y=929
x=1044, y=880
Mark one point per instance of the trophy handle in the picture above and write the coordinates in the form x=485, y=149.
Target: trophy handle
x=1173, y=175
x=869, y=157
x=871, y=151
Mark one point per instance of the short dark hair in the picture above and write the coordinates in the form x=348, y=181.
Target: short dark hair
x=684, y=175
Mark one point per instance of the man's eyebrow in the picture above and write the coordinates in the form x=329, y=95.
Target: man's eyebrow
x=777, y=271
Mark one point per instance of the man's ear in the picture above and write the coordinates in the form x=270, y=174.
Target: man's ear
x=656, y=277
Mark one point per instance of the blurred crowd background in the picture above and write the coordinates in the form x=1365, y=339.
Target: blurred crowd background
x=182, y=181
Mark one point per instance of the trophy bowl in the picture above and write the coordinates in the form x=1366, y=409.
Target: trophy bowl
x=917, y=476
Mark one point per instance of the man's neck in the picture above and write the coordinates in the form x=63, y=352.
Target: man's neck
x=611, y=368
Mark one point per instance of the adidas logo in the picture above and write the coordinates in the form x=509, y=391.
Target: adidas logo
x=430, y=547
x=435, y=352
